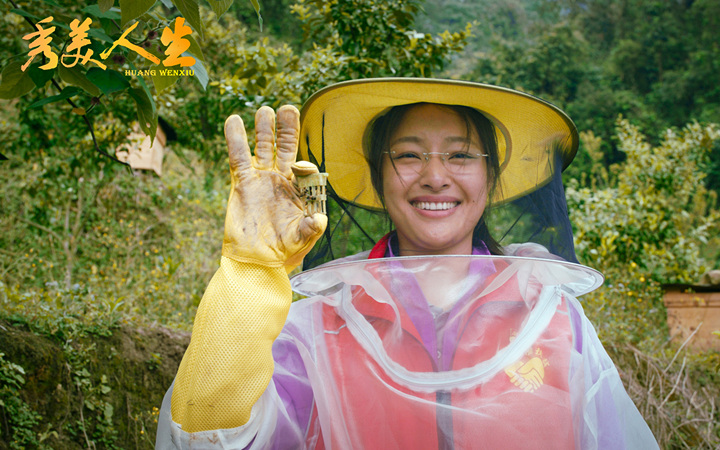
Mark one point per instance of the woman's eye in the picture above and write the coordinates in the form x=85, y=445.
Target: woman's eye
x=405, y=155
x=461, y=156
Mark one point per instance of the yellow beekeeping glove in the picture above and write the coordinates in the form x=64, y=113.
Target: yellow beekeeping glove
x=266, y=223
x=228, y=363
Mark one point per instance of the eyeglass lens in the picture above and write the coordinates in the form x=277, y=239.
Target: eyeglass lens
x=415, y=162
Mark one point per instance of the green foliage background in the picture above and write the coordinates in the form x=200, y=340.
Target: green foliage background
x=88, y=246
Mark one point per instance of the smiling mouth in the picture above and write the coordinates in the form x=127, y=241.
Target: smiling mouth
x=431, y=206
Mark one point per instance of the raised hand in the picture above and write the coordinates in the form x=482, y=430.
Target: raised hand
x=265, y=223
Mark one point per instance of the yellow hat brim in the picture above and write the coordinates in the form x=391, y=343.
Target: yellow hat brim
x=531, y=131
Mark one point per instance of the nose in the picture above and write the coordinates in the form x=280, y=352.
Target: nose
x=434, y=175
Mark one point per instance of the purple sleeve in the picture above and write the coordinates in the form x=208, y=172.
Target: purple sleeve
x=293, y=396
x=293, y=388
x=606, y=417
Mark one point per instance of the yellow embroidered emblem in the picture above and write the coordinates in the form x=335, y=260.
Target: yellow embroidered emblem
x=528, y=373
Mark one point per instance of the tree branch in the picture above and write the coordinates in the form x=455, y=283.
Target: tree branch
x=41, y=227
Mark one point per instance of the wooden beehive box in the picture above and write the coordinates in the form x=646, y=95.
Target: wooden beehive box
x=143, y=153
x=693, y=309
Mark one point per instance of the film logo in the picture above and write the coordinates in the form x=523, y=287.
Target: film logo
x=77, y=52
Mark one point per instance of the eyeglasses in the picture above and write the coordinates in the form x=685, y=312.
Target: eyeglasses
x=458, y=163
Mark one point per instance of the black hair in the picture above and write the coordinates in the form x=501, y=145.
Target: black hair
x=376, y=142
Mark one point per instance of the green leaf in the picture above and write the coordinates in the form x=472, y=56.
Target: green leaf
x=191, y=12
x=105, y=5
x=97, y=33
x=220, y=6
x=15, y=83
x=142, y=83
x=94, y=10
x=261, y=81
x=194, y=49
x=108, y=81
x=69, y=91
x=201, y=73
x=146, y=111
x=109, y=410
x=159, y=17
x=246, y=73
x=153, y=49
x=256, y=5
x=132, y=9
x=75, y=76
x=40, y=76
x=24, y=13
x=162, y=82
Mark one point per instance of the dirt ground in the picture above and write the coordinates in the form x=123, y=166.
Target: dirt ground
x=137, y=364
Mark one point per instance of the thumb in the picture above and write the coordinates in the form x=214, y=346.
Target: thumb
x=312, y=227
x=310, y=230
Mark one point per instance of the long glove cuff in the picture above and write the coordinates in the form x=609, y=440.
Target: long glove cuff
x=231, y=251
x=229, y=362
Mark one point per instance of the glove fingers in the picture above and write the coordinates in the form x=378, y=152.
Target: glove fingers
x=288, y=131
x=238, y=148
x=264, y=138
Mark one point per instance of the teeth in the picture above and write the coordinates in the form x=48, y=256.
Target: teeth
x=441, y=206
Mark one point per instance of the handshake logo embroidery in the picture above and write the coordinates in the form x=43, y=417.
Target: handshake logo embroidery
x=528, y=374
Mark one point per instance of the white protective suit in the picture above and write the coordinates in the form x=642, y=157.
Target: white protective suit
x=464, y=352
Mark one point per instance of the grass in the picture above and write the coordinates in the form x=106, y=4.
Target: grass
x=145, y=246
x=677, y=393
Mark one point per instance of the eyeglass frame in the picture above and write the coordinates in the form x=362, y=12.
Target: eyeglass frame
x=426, y=156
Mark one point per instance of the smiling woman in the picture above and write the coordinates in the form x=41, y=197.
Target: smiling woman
x=347, y=127
x=438, y=337
x=433, y=174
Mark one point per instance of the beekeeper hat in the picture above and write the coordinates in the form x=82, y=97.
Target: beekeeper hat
x=530, y=131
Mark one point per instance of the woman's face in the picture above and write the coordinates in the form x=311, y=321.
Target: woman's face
x=435, y=209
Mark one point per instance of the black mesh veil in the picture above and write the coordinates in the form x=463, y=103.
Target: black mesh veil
x=540, y=216
x=351, y=229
